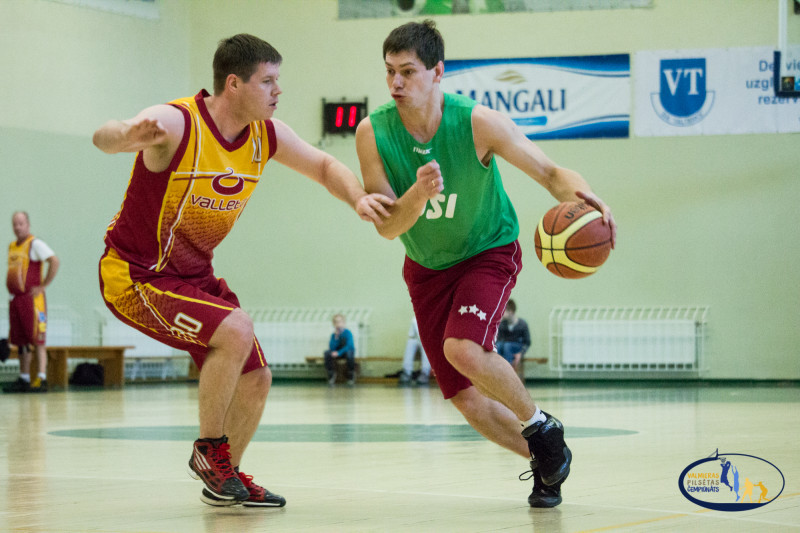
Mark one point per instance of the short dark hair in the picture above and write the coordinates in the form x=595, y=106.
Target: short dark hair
x=420, y=37
x=241, y=55
x=511, y=306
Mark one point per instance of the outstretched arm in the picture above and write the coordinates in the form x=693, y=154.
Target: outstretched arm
x=157, y=131
x=326, y=170
x=407, y=208
x=495, y=133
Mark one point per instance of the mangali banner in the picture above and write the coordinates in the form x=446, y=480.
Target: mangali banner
x=550, y=97
x=710, y=92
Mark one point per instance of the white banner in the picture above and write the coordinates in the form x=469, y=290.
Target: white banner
x=550, y=97
x=709, y=92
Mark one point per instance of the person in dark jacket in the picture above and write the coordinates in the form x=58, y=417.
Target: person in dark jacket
x=513, y=336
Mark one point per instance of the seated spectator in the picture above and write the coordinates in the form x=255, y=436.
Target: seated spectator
x=513, y=336
x=412, y=345
x=340, y=346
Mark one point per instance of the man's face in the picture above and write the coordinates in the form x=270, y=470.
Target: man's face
x=22, y=227
x=259, y=95
x=410, y=83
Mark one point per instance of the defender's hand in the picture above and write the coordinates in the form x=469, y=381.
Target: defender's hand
x=372, y=207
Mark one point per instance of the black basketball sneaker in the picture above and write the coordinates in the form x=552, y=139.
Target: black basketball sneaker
x=548, y=449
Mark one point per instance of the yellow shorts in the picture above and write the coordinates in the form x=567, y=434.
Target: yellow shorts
x=182, y=313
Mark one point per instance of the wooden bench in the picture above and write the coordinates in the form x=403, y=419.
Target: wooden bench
x=112, y=358
x=341, y=369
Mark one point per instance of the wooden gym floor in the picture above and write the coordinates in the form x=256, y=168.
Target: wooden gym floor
x=383, y=458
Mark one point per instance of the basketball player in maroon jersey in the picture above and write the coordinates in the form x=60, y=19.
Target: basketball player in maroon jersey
x=199, y=159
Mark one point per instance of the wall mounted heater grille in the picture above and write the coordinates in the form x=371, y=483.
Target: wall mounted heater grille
x=668, y=339
x=288, y=335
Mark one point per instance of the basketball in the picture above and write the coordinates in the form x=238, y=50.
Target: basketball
x=572, y=241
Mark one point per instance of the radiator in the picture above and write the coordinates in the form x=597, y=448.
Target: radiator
x=288, y=335
x=670, y=339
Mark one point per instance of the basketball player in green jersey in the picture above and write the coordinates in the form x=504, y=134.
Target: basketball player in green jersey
x=434, y=154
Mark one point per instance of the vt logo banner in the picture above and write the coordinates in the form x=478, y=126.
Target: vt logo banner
x=712, y=91
x=731, y=482
x=682, y=99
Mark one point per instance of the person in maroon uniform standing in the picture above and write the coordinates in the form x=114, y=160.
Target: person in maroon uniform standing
x=27, y=309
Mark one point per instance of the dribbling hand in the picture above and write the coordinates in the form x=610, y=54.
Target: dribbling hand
x=608, y=218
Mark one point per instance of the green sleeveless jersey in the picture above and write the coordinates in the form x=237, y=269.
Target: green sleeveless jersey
x=473, y=213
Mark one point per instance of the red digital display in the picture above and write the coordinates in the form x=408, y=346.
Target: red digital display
x=339, y=113
x=342, y=117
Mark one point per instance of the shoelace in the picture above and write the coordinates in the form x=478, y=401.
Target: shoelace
x=246, y=480
x=534, y=464
x=222, y=459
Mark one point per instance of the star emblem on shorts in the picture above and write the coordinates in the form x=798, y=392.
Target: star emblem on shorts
x=472, y=309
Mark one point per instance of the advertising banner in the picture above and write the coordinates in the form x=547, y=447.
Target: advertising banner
x=709, y=92
x=550, y=97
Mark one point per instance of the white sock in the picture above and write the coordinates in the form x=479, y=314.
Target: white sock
x=25, y=377
x=42, y=375
x=538, y=416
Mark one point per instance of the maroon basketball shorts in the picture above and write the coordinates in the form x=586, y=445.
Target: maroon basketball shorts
x=27, y=319
x=465, y=301
x=182, y=313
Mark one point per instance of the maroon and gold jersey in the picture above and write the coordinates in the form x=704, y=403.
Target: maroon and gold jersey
x=23, y=273
x=171, y=221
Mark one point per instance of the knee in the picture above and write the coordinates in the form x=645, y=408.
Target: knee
x=463, y=355
x=257, y=382
x=236, y=331
x=239, y=324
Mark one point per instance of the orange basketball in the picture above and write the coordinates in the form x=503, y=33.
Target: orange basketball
x=572, y=241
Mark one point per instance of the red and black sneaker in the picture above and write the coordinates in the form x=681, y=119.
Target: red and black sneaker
x=211, y=463
x=259, y=496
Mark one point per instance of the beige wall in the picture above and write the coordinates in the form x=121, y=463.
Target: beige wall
x=703, y=220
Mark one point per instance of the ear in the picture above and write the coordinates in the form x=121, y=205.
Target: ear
x=438, y=71
x=232, y=82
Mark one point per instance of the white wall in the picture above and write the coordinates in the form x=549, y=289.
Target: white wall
x=703, y=220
